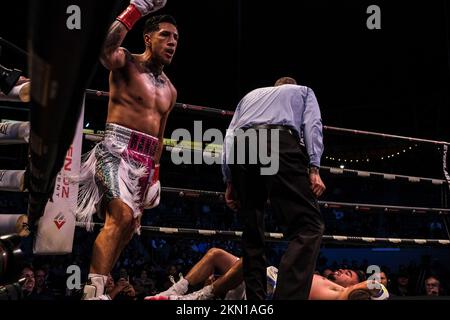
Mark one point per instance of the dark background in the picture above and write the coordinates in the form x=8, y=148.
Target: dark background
x=394, y=80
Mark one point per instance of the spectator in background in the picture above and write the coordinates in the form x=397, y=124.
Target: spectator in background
x=28, y=286
x=433, y=286
x=143, y=285
x=125, y=290
x=121, y=290
x=123, y=273
x=41, y=291
x=402, y=287
x=109, y=287
x=384, y=280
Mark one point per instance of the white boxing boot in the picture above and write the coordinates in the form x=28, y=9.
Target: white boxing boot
x=94, y=289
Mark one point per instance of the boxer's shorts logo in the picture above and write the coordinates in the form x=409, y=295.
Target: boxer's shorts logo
x=59, y=220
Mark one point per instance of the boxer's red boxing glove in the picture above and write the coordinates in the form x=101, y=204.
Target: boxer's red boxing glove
x=138, y=9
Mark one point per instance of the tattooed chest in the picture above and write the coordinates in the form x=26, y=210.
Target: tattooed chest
x=151, y=92
x=158, y=81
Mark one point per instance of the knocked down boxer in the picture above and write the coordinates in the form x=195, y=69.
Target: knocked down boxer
x=344, y=284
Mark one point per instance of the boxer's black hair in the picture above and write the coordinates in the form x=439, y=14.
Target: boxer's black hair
x=361, y=275
x=152, y=23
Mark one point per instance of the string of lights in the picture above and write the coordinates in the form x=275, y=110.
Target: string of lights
x=345, y=159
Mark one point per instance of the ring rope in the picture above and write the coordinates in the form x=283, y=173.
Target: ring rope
x=184, y=106
x=178, y=105
x=95, y=137
x=271, y=236
x=384, y=176
x=385, y=208
x=385, y=135
x=190, y=107
x=193, y=193
x=326, y=204
x=444, y=165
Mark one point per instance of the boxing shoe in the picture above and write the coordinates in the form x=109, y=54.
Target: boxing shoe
x=203, y=294
x=178, y=289
x=94, y=289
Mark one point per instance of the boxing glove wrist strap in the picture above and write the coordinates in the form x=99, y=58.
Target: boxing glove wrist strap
x=129, y=16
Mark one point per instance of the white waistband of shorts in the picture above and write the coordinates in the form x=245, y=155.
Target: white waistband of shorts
x=124, y=132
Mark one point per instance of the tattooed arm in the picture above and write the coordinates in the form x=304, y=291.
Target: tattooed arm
x=112, y=55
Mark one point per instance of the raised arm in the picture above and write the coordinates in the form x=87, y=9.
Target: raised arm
x=112, y=55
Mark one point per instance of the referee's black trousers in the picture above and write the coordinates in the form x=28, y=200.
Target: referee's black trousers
x=295, y=208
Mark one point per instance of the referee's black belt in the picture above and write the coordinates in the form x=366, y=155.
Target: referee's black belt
x=288, y=129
